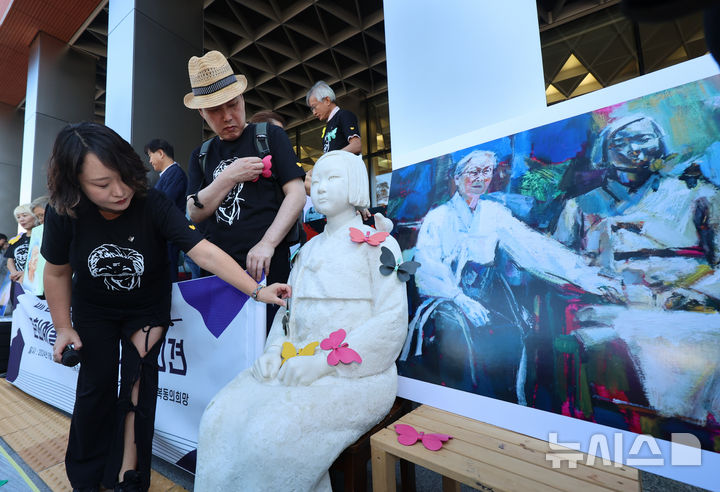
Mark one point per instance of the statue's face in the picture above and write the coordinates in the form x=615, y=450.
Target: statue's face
x=635, y=145
x=329, y=191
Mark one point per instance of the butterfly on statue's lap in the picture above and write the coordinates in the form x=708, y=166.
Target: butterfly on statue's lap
x=289, y=351
x=339, y=350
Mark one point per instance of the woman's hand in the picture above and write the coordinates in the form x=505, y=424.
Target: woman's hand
x=17, y=276
x=65, y=337
x=275, y=294
x=267, y=365
x=304, y=370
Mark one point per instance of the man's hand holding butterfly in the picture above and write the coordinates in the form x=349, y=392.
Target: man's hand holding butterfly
x=302, y=371
x=475, y=312
x=266, y=366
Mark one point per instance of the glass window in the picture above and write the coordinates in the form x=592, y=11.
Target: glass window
x=605, y=48
x=310, y=148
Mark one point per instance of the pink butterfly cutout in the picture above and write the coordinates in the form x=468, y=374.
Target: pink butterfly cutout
x=407, y=436
x=357, y=236
x=339, y=350
x=267, y=165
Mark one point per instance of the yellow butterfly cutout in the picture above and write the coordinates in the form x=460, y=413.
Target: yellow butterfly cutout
x=289, y=351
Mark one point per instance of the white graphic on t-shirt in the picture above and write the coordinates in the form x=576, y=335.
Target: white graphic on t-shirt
x=229, y=209
x=20, y=256
x=120, y=268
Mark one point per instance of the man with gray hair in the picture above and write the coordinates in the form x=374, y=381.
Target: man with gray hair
x=341, y=131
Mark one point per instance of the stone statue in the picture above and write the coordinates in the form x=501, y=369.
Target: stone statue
x=280, y=424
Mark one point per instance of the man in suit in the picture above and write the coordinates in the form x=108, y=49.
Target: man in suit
x=172, y=182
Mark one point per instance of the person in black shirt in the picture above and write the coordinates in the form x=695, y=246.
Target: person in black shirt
x=17, y=252
x=246, y=214
x=105, y=243
x=172, y=183
x=341, y=131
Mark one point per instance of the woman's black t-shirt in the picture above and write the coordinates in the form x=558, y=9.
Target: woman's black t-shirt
x=120, y=263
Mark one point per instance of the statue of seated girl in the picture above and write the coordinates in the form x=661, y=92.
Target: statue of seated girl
x=327, y=374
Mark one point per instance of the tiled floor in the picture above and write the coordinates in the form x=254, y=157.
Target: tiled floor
x=37, y=433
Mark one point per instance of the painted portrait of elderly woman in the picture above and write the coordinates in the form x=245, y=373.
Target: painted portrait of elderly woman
x=573, y=267
x=282, y=423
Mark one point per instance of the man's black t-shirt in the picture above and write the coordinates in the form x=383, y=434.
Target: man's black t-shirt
x=338, y=131
x=18, y=251
x=119, y=263
x=248, y=210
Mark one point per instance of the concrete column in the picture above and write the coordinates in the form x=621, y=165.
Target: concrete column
x=149, y=44
x=11, y=132
x=60, y=90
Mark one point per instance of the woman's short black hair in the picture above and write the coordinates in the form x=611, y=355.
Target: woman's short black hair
x=72, y=144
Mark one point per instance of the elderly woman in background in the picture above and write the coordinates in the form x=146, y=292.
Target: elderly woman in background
x=17, y=252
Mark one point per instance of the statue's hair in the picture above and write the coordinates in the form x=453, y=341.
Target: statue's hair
x=358, y=185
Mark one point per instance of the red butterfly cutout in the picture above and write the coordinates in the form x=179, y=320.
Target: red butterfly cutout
x=357, y=236
x=267, y=165
x=339, y=350
x=407, y=436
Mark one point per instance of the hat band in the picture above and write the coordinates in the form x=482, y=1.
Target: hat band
x=215, y=86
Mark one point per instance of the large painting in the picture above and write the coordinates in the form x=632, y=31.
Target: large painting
x=573, y=267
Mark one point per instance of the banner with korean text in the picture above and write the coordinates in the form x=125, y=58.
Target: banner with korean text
x=216, y=333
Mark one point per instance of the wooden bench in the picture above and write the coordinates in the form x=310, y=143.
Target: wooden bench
x=489, y=458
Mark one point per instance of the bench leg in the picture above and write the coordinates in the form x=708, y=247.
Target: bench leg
x=407, y=476
x=383, y=471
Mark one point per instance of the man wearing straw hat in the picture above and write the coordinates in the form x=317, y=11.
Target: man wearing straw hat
x=246, y=214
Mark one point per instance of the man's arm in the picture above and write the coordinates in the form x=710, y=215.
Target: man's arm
x=259, y=256
x=354, y=145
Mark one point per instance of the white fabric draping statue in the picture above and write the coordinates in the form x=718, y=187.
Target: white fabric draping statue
x=280, y=425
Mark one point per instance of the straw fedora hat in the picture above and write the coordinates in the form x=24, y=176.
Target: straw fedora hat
x=213, y=81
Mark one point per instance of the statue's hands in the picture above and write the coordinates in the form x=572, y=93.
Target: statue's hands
x=304, y=370
x=476, y=312
x=266, y=366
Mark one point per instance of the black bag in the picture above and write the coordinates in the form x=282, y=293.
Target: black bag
x=296, y=233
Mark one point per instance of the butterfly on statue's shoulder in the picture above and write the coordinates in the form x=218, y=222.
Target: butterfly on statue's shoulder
x=357, y=236
x=389, y=265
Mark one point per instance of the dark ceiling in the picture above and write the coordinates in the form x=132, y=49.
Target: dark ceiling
x=284, y=46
